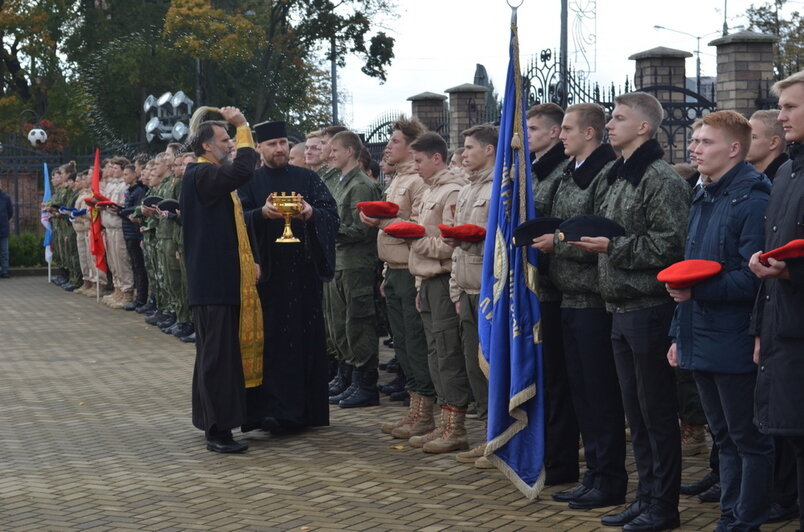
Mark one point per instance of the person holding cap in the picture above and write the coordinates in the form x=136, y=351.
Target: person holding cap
x=710, y=326
x=651, y=202
x=294, y=390
x=221, y=278
x=776, y=325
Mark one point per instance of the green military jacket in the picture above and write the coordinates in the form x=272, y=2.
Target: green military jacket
x=573, y=270
x=330, y=177
x=356, y=242
x=547, y=174
x=167, y=189
x=649, y=199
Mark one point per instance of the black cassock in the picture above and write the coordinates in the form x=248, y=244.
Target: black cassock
x=294, y=388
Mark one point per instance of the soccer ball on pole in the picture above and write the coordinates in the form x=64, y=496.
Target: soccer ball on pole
x=37, y=136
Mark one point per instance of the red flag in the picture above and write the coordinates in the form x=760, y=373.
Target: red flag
x=96, y=246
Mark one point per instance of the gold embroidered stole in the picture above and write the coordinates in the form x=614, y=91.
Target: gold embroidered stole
x=251, y=331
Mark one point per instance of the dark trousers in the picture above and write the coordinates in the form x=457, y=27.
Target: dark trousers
x=690, y=410
x=134, y=249
x=561, y=426
x=798, y=447
x=471, y=352
x=746, y=455
x=410, y=344
x=785, y=491
x=596, y=397
x=219, y=388
x=648, y=386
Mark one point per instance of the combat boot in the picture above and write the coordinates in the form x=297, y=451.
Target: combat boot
x=367, y=393
x=421, y=422
x=389, y=427
x=471, y=456
x=86, y=287
x=123, y=299
x=419, y=441
x=352, y=388
x=453, y=437
x=342, y=379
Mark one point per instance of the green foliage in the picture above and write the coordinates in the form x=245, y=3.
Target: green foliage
x=87, y=65
x=787, y=53
x=26, y=250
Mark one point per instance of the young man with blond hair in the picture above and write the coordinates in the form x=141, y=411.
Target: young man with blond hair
x=585, y=324
x=776, y=325
x=710, y=326
x=767, y=151
x=651, y=202
x=410, y=346
x=351, y=322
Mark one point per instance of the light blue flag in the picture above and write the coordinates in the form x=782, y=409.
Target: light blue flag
x=509, y=319
x=45, y=217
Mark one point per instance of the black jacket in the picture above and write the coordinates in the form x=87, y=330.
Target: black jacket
x=779, y=311
x=6, y=212
x=210, y=235
x=134, y=196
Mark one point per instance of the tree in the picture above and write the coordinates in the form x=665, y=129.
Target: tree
x=787, y=52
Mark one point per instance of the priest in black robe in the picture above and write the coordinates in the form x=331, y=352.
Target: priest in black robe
x=294, y=393
x=221, y=278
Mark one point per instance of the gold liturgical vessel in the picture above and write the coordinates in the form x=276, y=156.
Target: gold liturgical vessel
x=289, y=205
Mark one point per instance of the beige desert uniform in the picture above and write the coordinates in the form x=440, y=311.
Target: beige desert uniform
x=467, y=266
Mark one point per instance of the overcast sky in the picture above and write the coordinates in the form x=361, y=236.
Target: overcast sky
x=438, y=43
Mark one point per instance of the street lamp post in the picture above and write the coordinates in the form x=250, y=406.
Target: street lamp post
x=697, y=51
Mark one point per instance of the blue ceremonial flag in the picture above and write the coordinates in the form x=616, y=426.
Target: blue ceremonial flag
x=508, y=312
x=45, y=217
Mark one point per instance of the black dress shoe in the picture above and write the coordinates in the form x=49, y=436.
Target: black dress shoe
x=388, y=342
x=226, y=446
x=711, y=495
x=631, y=512
x=779, y=513
x=694, y=488
x=384, y=365
x=568, y=495
x=653, y=520
x=594, y=498
x=130, y=306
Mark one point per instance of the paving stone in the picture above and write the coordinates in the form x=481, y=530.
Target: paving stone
x=96, y=433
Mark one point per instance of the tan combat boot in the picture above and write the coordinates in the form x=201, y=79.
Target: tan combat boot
x=453, y=437
x=108, y=298
x=126, y=297
x=471, y=456
x=420, y=423
x=419, y=441
x=414, y=405
x=90, y=292
x=693, y=439
x=483, y=463
x=83, y=288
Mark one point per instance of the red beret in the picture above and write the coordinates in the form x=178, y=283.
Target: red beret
x=689, y=272
x=405, y=230
x=791, y=250
x=378, y=209
x=464, y=233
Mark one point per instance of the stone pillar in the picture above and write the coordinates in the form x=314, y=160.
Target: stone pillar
x=431, y=109
x=663, y=66
x=467, y=107
x=744, y=67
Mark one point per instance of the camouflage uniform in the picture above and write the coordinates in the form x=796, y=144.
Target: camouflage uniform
x=652, y=203
x=351, y=322
x=72, y=259
x=166, y=244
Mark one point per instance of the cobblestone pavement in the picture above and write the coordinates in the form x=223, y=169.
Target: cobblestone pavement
x=96, y=435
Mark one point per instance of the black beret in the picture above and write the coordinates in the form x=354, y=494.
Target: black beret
x=151, y=201
x=573, y=229
x=527, y=231
x=169, y=205
x=270, y=130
